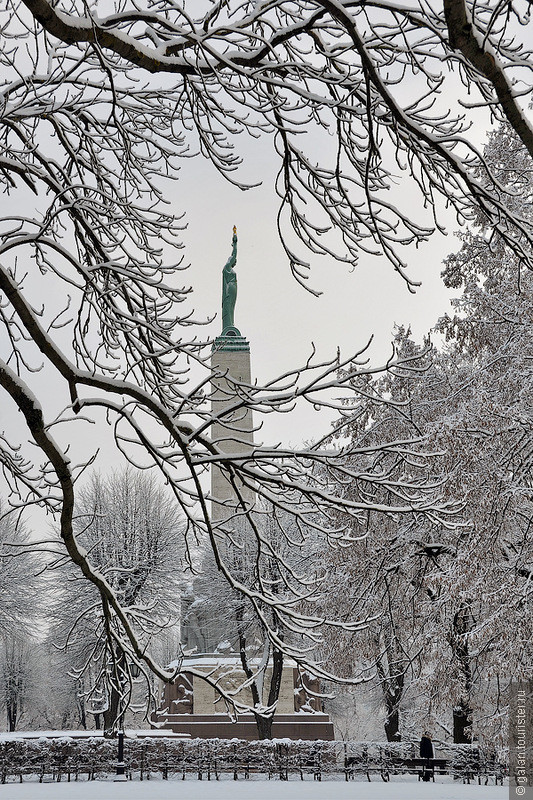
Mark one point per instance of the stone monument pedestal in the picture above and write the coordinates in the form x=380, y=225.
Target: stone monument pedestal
x=308, y=727
x=192, y=706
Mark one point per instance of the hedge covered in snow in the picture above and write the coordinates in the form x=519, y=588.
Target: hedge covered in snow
x=66, y=757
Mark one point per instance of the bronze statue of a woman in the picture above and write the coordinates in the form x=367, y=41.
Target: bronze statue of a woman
x=229, y=292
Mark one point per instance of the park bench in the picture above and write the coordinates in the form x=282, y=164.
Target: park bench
x=387, y=765
x=420, y=766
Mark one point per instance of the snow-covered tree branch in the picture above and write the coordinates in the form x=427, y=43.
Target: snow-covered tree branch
x=372, y=81
x=97, y=114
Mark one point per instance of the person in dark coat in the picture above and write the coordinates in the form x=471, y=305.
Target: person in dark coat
x=427, y=751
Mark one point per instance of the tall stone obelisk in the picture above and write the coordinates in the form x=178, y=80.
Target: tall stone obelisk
x=209, y=625
x=233, y=428
x=232, y=431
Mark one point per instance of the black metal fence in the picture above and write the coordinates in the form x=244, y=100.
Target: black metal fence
x=209, y=759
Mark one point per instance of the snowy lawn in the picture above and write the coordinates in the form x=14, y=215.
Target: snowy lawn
x=250, y=790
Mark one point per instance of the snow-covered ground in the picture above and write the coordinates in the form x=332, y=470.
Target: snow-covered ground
x=251, y=790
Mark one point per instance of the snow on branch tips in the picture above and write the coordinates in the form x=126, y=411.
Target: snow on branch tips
x=98, y=112
x=334, y=70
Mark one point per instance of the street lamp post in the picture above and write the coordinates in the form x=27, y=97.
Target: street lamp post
x=121, y=767
x=121, y=775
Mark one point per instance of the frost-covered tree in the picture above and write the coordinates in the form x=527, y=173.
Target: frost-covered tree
x=100, y=104
x=452, y=622
x=287, y=69
x=389, y=573
x=19, y=617
x=64, y=706
x=134, y=535
x=17, y=568
x=452, y=609
x=13, y=675
x=489, y=337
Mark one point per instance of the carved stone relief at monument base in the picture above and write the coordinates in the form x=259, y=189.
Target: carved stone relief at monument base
x=192, y=695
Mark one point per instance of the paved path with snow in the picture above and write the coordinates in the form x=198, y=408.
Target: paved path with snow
x=250, y=790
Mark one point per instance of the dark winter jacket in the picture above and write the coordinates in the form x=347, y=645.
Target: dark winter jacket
x=426, y=748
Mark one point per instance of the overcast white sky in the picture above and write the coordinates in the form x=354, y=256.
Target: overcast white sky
x=280, y=319
x=276, y=314
x=273, y=311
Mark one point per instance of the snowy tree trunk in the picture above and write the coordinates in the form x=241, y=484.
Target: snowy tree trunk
x=462, y=720
x=392, y=725
x=14, y=681
x=111, y=713
x=12, y=709
x=80, y=702
x=391, y=670
x=14, y=700
x=264, y=724
x=462, y=713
